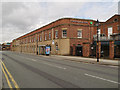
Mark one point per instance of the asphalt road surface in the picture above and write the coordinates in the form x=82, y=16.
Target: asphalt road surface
x=22, y=70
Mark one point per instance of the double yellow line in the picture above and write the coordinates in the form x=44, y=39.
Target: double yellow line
x=5, y=71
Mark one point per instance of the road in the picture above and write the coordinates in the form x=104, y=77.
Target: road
x=33, y=71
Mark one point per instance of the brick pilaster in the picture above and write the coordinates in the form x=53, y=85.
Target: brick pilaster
x=111, y=49
x=86, y=50
x=74, y=50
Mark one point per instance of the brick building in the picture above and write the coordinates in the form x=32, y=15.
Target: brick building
x=5, y=46
x=71, y=36
x=109, y=37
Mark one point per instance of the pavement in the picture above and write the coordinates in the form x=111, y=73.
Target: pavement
x=37, y=71
x=87, y=60
x=112, y=62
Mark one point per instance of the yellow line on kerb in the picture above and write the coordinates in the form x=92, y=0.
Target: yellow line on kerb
x=12, y=79
x=9, y=84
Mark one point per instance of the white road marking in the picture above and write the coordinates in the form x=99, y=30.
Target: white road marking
x=48, y=64
x=28, y=58
x=31, y=59
x=114, y=66
x=101, y=78
x=54, y=65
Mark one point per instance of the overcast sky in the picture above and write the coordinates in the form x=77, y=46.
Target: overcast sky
x=19, y=18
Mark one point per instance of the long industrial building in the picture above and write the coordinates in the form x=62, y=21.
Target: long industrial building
x=72, y=36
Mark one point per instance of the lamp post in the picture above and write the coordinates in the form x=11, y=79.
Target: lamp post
x=97, y=24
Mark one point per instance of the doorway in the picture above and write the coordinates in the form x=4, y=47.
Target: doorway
x=79, y=51
x=105, y=51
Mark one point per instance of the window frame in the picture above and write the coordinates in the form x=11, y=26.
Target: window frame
x=56, y=36
x=79, y=30
x=45, y=36
x=64, y=33
x=49, y=35
x=40, y=37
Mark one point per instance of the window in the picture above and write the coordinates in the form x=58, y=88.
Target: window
x=64, y=33
x=30, y=40
x=79, y=33
x=56, y=34
x=40, y=37
x=115, y=20
x=118, y=27
x=99, y=32
x=49, y=35
x=56, y=47
x=34, y=39
x=102, y=35
x=45, y=36
x=109, y=31
x=26, y=40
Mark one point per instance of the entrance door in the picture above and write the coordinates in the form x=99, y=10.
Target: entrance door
x=79, y=50
x=117, y=51
x=105, y=51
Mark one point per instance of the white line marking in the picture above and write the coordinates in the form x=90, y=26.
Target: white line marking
x=48, y=64
x=114, y=66
x=28, y=58
x=31, y=59
x=101, y=78
x=53, y=65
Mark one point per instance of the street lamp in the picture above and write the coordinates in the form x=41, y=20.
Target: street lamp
x=97, y=24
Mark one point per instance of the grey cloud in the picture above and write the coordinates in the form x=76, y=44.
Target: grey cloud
x=19, y=18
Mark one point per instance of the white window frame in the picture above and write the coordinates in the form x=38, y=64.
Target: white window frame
x=38, y=38
x=79, y=35
x=110, y=33
x=49, y=35
x=63, y=33
x=56, y=34
x=45, y=36
x=99, y=32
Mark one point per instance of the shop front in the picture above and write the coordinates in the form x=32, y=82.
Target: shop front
x=105, y=49
x=117, y=49
x=41, y=49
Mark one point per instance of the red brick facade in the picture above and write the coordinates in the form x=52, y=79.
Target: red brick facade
x=79, y=34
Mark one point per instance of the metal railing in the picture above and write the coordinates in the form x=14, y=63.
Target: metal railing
x=104, y=38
